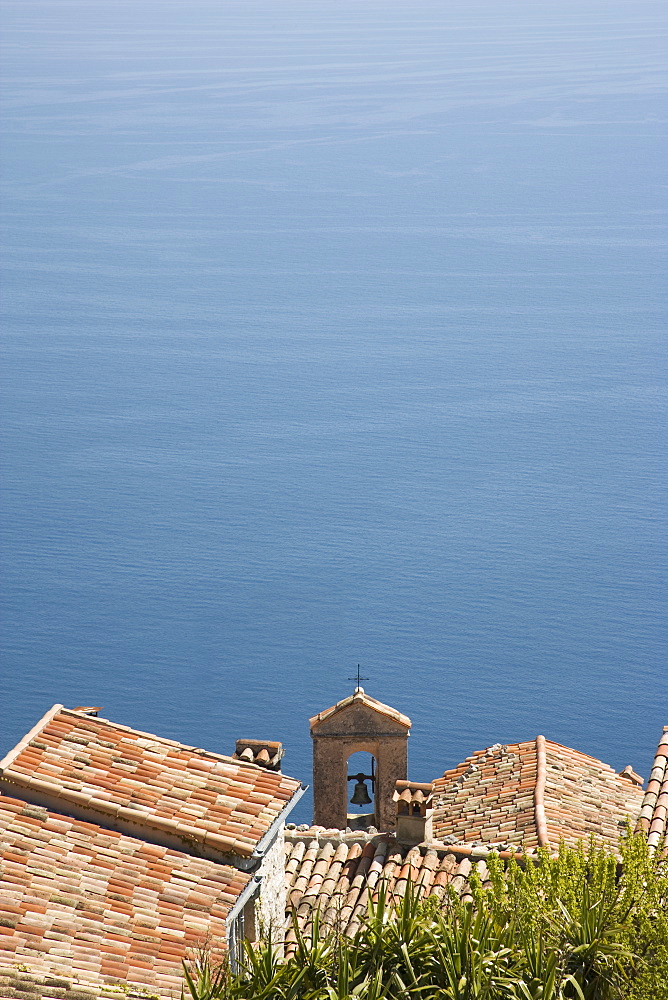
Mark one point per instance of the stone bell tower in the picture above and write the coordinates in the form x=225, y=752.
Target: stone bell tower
x=358, y=722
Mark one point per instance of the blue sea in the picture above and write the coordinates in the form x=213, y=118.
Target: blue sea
x=334, y=334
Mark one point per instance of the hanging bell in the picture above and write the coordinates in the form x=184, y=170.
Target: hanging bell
x=360, y=796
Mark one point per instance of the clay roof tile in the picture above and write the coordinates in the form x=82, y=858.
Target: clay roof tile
x=126, y=784
x=93, y=878
x=533, y=792
x=653, y=814
x=326, y=871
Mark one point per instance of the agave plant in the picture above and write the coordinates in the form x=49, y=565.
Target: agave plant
x=206, y=978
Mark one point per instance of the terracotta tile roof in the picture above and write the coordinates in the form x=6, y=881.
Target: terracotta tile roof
x=533, y=793
x=361, y=697
x=91, y=904
x=653, y=819
x=264, y=753
x=146, y=785
x=337, y=873
x=18, y=984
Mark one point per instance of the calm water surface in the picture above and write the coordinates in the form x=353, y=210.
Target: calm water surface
x=333, y=334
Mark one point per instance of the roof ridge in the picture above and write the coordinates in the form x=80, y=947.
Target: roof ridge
x=451, y=772
x=149, y=821
x=526, y=745
x=539, y=793
x=362, y=838
x=200, y=751
x=524, y=782
x=231, y=821
x=654, y=809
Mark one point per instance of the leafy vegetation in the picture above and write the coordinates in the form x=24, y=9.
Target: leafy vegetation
x=577, y=926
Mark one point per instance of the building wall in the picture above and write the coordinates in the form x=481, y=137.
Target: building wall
x=271, y=904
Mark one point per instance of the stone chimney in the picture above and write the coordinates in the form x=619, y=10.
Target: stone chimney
x=414, y=812
x=264, y=753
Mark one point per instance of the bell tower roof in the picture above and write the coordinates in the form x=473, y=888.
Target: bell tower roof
x=357, y=700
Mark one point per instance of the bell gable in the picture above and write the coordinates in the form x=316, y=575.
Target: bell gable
x=357, y=723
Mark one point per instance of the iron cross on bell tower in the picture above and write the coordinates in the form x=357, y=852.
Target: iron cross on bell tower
x=358, y=678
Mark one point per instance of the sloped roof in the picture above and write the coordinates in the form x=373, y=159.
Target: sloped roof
x=82, y=902
x=336, y=874
x=126, y=778
x=18, y=984
x=653, y=819
x=360, y=697
x=534, y=793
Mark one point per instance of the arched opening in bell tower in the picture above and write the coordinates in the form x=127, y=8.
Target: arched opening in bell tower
x=361, y=795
